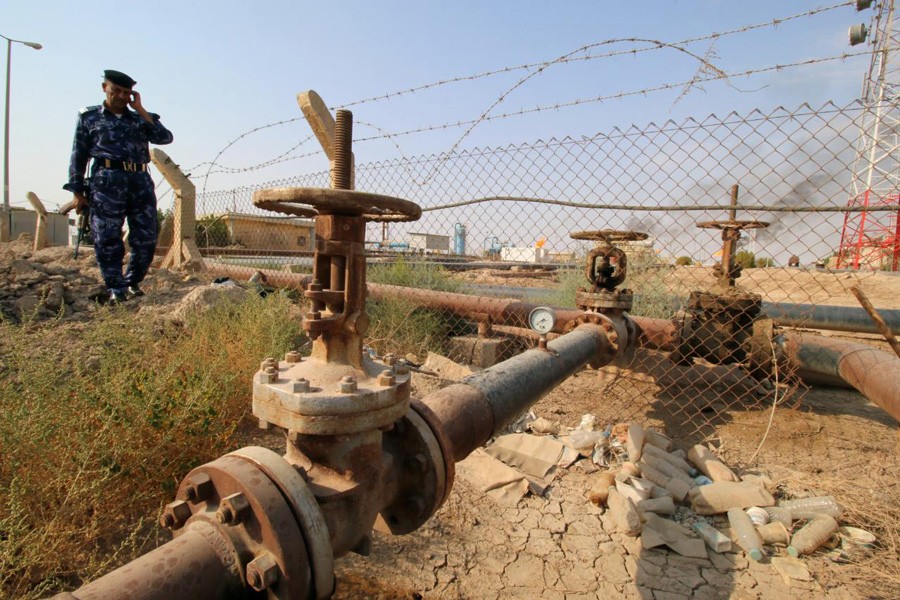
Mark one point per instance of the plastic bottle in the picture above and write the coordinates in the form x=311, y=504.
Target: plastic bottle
x=807, y=508
x=747, y=537
x=815, y=533
x=780, y=514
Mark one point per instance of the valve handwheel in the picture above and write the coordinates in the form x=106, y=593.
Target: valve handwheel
x=608, y=235
x=311, y=202
x=732, y=224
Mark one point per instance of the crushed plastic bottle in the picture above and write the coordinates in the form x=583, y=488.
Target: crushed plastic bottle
x=747, y=537
x=807, y=508
x=813, y=535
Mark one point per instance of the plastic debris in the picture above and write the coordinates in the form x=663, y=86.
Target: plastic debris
x=714, y=539
x=747, y=537
x=813, y=535
x=722, y=496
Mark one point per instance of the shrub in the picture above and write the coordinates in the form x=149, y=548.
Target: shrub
x=212, y=233
x=764, y=262
x=402, y=326
x=93, y=447
x=745, y=259
x=683, y=261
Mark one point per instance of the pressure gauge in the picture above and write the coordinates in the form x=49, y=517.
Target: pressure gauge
x=542, y=319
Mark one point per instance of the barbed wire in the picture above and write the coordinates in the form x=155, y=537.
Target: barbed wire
x=540, y=66
x=510, y=69
x=664, y=207
x=616, y=96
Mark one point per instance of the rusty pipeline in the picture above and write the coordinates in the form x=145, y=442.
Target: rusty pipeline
x=872, y=372
x=656, y=334
x=476, y=409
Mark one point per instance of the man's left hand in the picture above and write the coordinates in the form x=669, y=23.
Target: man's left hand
x=135, y=101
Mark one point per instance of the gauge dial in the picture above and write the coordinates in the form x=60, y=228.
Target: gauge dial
x=542, y=319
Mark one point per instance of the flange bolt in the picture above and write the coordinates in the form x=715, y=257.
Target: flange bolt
x=175, y=514
x=262, y=572
x=387, y=378
x=348, y=385
x=233, y=510
x=198, y=487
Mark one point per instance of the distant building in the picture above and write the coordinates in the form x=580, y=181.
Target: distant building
x=269, y=233
x=529, y=255
x=429, y=242
x=25, y=221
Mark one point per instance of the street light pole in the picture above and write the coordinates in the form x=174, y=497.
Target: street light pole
x=6, y=221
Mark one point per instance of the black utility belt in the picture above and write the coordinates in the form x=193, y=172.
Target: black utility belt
x=120, y=165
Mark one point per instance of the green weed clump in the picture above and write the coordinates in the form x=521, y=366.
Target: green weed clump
x=98, y=424
x=403, y=327
x=653, y=297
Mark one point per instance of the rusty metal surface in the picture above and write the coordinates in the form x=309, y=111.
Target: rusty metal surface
x=510, y=387
x=874, y=373
x=418, y=478
x=828, y=317
x=656, y=334
x=195, y=565
x=734, y=225
x=233, y=527
x=266, y=525
x=608, y=235
x=313, y=396
x=443, y=441
x=465, y=415
x=306, y=512
x=312, y=202
x=880, y=324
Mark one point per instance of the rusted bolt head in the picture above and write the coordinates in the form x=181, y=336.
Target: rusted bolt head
x=315, y=286
x=401, y=369
x=300, y=386
x=313, y=316
x=390, y=359
x=387, y=378
x=233, y=510
x=262, y=572
x=347, y=385
x=264, y=377
x=199, y=487
x=292, y=357
x=175, y=514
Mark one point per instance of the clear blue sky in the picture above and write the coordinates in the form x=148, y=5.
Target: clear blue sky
x=214, y=70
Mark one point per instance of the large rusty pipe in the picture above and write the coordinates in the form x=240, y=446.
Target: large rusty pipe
x=194, y=566
x=832, y=318
x=481, y=405
x=658, y=334
x=874, y=373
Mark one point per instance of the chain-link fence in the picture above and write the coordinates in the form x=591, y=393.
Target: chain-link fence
x=497, y=222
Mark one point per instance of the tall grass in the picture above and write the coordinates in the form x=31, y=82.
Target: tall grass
x=97, y=425
x=653, y=297
x=403, y=327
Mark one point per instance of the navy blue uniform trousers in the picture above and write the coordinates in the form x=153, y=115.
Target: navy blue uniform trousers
x=116, y=197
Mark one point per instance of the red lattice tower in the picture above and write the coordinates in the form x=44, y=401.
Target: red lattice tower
x=871, y=236
x=871, y=240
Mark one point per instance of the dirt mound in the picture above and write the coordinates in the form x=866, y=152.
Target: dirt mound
x=50, y=284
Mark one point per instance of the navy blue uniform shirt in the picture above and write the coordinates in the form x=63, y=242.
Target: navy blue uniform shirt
x=101, y=134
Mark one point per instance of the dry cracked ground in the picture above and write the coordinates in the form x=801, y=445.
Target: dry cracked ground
x=560, y=545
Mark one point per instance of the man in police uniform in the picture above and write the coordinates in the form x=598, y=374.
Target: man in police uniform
x=119, y=186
